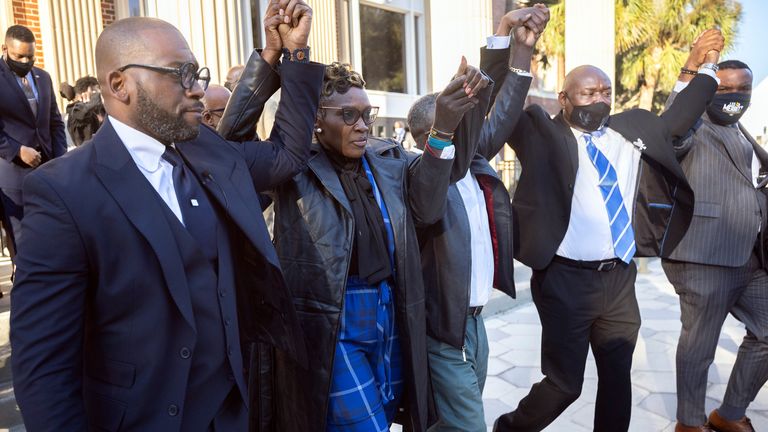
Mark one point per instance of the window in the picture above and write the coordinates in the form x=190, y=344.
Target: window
x=383, y=49
x=136, y=8
x=256, y=23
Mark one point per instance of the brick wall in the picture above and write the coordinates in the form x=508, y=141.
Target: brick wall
x=107, y=12
x=25, y=12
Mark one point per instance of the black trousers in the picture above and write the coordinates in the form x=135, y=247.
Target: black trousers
x=580, y=308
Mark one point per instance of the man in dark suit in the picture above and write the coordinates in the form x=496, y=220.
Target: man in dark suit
x=31, y=128
x=595, y=191
x=718, y=267
x=468, y=252
x=146, y=275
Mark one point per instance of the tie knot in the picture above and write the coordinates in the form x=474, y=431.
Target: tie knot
x=172, y=156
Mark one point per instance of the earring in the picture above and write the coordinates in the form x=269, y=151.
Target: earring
x=318, y=130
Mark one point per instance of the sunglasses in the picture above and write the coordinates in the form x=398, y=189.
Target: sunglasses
x=351, y=115
x=188, y=73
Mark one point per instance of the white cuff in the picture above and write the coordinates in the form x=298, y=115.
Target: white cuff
x=448, y=152
x=710, y=72
x=498, y=42
x=679, y=86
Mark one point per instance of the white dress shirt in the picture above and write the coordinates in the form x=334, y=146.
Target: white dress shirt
x=147, y=153
x=588, y=237
x=482, y=263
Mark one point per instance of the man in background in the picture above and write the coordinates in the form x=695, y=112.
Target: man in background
x=31, y=128
x=215, y=100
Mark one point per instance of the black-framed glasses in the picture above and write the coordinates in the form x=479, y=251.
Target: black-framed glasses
x=188, y=73
x=351, y=115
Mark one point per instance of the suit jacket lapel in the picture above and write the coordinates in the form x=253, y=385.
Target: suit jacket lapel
x=134, y=194
x=10, y=77
x=222, y=179
x=569, y=143
x=321, y=166
x=737, y=155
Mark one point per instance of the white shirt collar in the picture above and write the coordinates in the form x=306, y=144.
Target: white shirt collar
x=146, y=151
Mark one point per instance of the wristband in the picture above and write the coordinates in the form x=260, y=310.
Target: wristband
x=299, y=55
x=437, y=143
x=688, y=71
x=437, y=133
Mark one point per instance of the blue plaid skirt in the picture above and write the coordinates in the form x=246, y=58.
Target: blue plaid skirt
x=367, y=383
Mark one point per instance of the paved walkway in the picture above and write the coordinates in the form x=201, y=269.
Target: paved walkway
x=514, y=364
x=515, y=335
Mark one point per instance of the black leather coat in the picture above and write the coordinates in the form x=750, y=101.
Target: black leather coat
x=313, y=236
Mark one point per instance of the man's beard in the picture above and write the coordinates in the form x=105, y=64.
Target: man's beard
x=160, y=124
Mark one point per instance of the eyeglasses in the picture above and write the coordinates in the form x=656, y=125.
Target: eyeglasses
x=188, y=73
x=351, y=115
x=217, y=111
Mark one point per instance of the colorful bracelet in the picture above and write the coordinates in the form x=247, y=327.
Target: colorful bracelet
x=437, y=133
x=437, y=143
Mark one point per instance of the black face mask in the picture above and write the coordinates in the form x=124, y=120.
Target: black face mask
x=590, y=117
x=727, y=108
x=17, y=67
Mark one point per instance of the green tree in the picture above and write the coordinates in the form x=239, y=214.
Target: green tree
x=652, y=42
x=653, y=38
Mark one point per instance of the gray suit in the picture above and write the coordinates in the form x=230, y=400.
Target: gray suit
x=715, y=269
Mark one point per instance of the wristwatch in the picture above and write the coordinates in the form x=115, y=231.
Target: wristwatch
x=299, y=55
x=711, y=66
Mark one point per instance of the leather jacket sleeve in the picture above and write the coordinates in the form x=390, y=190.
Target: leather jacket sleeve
x=257, y=84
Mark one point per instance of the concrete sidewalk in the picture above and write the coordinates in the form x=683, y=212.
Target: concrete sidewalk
x=515, y=362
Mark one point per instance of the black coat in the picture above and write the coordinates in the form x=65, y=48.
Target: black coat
x=547, y=151
x=314, y=234
x=446, y=245
x=18, y=126
x=101, y=304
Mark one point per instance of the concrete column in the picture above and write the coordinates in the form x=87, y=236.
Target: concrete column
x=590, y=35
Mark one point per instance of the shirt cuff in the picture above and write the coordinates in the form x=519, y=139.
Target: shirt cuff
x=498, y=42
x=710, y=72
x=448, y=152
x=680, y=86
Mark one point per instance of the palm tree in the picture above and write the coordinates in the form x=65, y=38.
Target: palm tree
x=552, y=42
x=653, y=38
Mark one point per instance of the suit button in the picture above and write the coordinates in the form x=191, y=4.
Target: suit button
x=570, y=186
x=227, y=322
x=222, y=293
x=185, y=353
x=173, y=410
x=229, y=351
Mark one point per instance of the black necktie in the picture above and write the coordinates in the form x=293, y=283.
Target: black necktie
x=197, y=212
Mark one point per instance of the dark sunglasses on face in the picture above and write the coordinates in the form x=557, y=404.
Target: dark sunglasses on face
x=188, y=73
x=351, y=115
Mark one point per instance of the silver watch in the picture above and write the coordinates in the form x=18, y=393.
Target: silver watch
x=711, y=66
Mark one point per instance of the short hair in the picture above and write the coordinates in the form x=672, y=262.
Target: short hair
x=339, y=78
x=418, y=115
x=733, y=64
x=20, y=33
x=82, y=84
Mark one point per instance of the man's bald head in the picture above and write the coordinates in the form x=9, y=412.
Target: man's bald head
x=130, y=40
x=588, y=89
x=215, y=100
x=233, y=76
x=135, y=62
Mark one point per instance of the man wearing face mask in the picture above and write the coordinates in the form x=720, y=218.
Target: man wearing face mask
x=718, y=267
x=31, y=128
x=596, y=190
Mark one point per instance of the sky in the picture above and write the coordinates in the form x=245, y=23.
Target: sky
x=751, y=45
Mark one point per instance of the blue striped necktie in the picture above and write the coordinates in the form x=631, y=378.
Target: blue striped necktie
x=621, y=226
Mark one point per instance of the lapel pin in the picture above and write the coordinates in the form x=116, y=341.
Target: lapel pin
x=639, y=144
x=194, y=202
